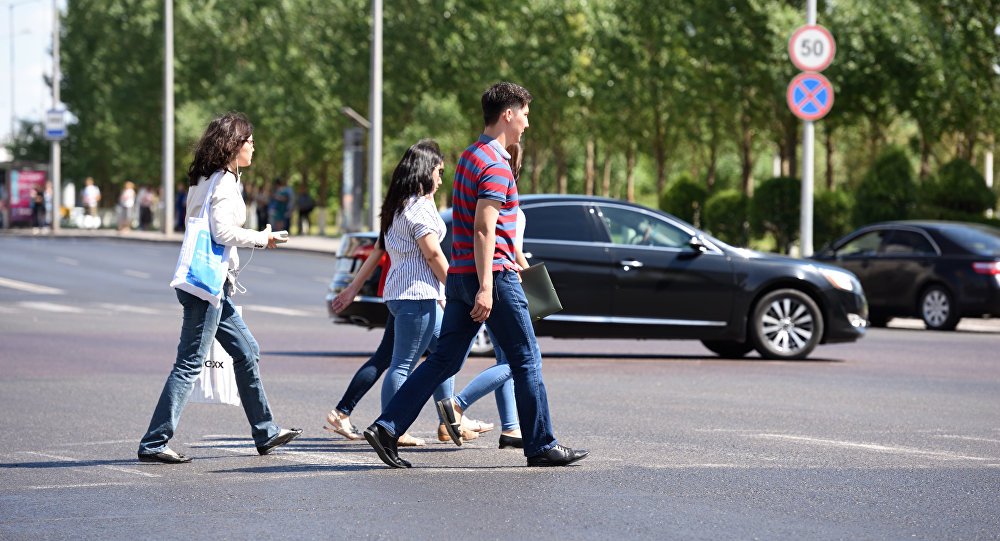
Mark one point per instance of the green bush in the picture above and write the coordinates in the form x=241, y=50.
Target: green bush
x=958, y=191
x=887, y=191
x=726, y=216
x=774, y=210
x=831, y=216
x=685, y=199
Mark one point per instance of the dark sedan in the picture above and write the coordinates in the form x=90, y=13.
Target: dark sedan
x=935, y=270
x=626, y=271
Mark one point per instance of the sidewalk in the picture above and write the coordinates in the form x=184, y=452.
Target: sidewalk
x=308, y=243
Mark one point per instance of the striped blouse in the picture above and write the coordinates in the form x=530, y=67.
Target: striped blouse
x=410, y=277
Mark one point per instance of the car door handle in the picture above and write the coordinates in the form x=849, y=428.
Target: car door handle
x=630, y=263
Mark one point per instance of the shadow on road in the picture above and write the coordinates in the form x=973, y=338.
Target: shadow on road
x=570, y=355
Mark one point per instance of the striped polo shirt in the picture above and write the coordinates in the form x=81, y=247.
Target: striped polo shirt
x=483, y=173
x=410, y=277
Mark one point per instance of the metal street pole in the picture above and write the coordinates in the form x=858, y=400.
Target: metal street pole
x=168, y=117
x=375, y=115
x=56, y=145
x=808, y=137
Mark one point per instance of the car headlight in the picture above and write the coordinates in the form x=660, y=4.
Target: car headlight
x=840, y=279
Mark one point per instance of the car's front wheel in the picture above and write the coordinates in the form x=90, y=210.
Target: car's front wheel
x=729, y=349
x=786, y=324
x=938, y=310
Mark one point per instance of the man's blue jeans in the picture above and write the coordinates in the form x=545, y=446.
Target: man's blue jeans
x=201, y=324
x=511, y=327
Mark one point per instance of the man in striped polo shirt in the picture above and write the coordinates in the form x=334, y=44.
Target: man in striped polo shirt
x=483, y=286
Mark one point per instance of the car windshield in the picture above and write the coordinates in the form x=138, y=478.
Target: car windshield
x=978, y=239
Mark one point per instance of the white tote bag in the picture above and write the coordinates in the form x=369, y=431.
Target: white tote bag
x=216, y=384
x=203, y=263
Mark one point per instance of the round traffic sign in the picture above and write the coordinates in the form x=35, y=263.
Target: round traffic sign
x=810, y=96
x=811, y=48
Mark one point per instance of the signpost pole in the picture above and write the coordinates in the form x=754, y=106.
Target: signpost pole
x=56, y=145
x=808, y=137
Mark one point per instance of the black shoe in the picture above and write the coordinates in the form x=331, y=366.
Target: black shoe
x=385, y=445
x=451, y=418
x=558, y=456
x=284, y=436
x=167, y=456
x=511, y=442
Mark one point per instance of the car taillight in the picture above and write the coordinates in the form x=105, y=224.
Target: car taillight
x=992, y=268
x=362, y=252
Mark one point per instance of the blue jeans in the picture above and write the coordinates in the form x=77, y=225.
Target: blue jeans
x=201, y=324
x=511, y=327
x=495, y=378
x=416, y=326
x=366, y=376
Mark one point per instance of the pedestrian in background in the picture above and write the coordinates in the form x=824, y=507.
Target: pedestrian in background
x=279, y=207
x=483, y=286
x=226, y=146
x=304, y=206
x=90, y=196
x=126, y=204
x=180, y=206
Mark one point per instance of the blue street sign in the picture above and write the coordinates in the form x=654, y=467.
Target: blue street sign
x=810, y=96
x=55, y=124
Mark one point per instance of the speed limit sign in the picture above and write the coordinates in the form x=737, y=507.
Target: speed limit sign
x=811, y=48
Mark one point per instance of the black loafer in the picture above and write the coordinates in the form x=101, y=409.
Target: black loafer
x=385, y=445
x=511, y=442
x=167, y=456
x=283, y=436
x=558, y=456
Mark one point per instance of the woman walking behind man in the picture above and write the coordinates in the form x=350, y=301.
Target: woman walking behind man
x=214, y=177
x=411, y=233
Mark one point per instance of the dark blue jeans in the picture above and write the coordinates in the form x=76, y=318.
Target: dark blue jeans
x=366, y=376
x=512, y=330
x=202, y=324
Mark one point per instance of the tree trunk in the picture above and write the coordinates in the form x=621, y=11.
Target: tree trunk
x=746, y=157
x=828, y=131
x=660, y=155
x=790, y=163
x=589, y=172
x=323, y=196
x=630, y=175
x=606, y=182
x=538, y=162
x=925, y=156
x=561, y=173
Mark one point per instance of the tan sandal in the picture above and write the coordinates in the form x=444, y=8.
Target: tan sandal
x=407, y=440
x=341, y=424
x=466, y=434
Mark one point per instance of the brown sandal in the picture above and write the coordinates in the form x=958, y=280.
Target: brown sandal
x=341, y=424
x=466, y=434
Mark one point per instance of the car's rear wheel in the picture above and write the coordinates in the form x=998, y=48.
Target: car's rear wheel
x=938, y=310
x=482, y=345
x=729, y=349
x=786, y=324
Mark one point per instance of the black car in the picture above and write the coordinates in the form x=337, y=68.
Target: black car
x=626, y=271
x=935, y=270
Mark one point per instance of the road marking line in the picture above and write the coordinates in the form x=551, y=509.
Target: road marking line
x=68, y=261
x=262, y=270
x=51, y=307
x=137, y=274
x=970, y=438
x=115, y=468
x=79, y=485
x=106, y=442
x=871, y=447
x=30, y=288
x=7, y=310
x=128, y=309
x=291, y=455
x=278, y=311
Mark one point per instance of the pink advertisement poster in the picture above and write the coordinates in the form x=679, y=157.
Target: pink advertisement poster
x=22, y=185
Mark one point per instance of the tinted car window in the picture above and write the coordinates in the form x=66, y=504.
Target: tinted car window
x=863, y=245
x=979, y=240
x=630, y=227
x=559, y=222
x=908, y=243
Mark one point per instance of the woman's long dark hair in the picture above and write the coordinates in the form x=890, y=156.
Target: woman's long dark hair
x=516, y=157
x=220, y=145
x=414, y=175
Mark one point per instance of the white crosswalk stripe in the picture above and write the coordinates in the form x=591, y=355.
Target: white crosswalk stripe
x=51, y=307
x=30, y=288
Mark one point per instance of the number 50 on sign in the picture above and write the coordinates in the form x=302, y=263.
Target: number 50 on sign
x=811, y=48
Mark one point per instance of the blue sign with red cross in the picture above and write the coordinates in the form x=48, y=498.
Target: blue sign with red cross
x=810, y=96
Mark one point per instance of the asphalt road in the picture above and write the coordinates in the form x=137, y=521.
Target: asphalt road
x=896, y=436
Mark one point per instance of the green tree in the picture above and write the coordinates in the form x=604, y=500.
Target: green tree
x=887, y=191
x=831, y=216
x=958, y=191
x=685, y=198
x=774, y=210
x=727, y=216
